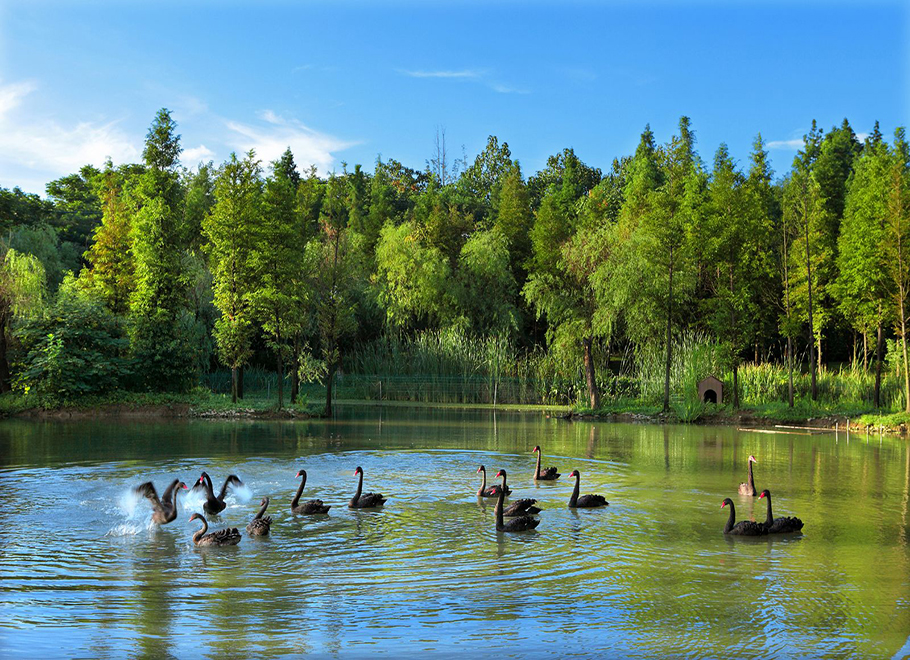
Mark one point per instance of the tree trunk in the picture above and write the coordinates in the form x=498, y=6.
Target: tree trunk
x=854, y=362
x=878, y=367
x=865, y=352
x=735, y=387
x=593, y=392
x=280, y=380
x=330, y=378
x=811, y=324
x=669, y=336
x=233, y=384
x=786, y=264
x=904, y=343
x=5, y=379
x=278, y=351
x=240, y=383
x=295, y=370
x=790, y=369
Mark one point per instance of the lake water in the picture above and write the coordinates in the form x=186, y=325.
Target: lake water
x=85, y=575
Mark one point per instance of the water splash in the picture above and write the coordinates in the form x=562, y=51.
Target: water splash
x=129, y=504
x=241, y=494
x=127, y=529
x=193, y=500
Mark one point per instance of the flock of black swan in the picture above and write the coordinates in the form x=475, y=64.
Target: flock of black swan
x=520, y=513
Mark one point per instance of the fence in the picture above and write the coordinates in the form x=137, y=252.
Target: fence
x=429, y=389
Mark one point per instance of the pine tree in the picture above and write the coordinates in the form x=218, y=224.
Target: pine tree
x=232, y=230
x=163, y=338
x=280, y=293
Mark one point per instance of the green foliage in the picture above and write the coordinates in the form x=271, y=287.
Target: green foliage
x=78, y=348
x=22, y=286
x=112, y=269
x=414, y=281
x=164, y=337
x=78, y=204
x=488, y=292
x=231, y=231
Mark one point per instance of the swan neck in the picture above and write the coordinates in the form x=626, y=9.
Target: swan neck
x=537, y=469
x=198, y=535
x=498, y=510
x=770, y=518
x=731, y=520
x=209, y=489
x=575, y=490
x=299, y=491
x=483, y=480
x=751, y=479
x=265, y=505
x=359, y=489
x=504, y=486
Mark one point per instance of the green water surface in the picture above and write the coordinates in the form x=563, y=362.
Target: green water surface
x=84, y=574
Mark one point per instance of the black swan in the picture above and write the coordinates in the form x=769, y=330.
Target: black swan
x=164, y=510
x=367, y=500
x=522, y=507
x=744, y=528
x=229, y=536
x=784, y=525
x=585, y=501
x=492, y=491
x=519, y=524
x=313, y=506
x=259, y=525
x=212, y=503
x=549, y=474
x=749, y=487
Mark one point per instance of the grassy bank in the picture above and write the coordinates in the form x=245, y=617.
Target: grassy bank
x=197, y=403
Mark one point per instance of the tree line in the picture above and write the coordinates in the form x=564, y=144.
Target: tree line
x=142, y=276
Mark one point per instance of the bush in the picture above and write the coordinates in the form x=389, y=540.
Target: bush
x=78, y=348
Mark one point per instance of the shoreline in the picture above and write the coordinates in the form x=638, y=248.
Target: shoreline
x=193, y=408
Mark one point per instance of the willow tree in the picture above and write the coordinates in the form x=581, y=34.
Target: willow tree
x=231, y=230
x=22, y=296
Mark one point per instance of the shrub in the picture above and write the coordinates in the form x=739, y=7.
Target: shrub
x=78, y=348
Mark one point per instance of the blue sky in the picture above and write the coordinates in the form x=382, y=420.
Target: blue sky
x=345, y=81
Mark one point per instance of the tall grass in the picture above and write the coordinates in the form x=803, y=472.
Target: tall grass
x=450, y=366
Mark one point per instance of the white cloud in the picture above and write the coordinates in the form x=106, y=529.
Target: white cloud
x=195, y=155
x=11, y=95
x=35, y=148
x=308, y=145
x=506, y=89
x=467, y=73
x=785, y=144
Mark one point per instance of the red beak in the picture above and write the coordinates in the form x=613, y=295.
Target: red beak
x=723, y=504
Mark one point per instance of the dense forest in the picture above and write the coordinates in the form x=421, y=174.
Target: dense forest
x=573, y=284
